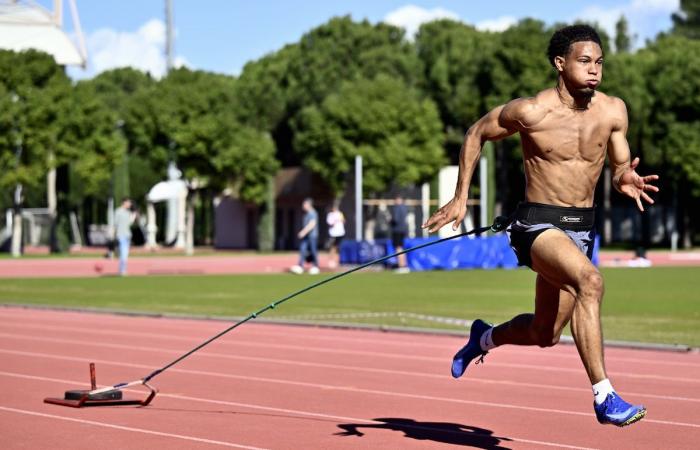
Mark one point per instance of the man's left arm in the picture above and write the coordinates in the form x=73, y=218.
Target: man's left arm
x=307, y=229
x=625, y=178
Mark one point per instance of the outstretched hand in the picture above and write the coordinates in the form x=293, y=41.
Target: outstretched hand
x=453, y=211
x=635, y=186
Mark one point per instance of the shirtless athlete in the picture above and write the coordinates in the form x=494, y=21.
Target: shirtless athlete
x=565, y=133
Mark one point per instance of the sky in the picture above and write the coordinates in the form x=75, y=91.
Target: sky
x=222, y=35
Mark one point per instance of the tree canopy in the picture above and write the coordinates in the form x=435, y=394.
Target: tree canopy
x=345, y=88
x=192, y=120
x=34, y=97
x=392, y=126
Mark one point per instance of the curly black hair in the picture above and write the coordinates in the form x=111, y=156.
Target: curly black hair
x=560, y=43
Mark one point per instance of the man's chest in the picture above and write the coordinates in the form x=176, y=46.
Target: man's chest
x=582, y=136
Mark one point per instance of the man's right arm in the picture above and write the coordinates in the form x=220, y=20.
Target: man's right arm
x=499, y=123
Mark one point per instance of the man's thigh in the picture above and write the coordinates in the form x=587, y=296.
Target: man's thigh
x=559, y=261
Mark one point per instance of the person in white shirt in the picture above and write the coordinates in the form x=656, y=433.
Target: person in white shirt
x=123, y=218
x=336, y=230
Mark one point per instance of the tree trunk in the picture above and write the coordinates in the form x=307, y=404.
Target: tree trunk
x=51, y=201
x=266, y=219
x=51, y=188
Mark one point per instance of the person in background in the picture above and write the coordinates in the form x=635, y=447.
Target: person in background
x=123, y=218
x=308, y=236
x=399, y=230
x=336, y=230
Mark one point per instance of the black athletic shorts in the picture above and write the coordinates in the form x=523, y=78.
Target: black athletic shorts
x=532, y=219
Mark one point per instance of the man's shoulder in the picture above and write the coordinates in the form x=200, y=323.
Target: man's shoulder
x=528, y=111
x=611, y=101
x=612, y=108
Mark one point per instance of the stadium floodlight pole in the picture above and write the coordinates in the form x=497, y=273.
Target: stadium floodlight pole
x=358, y=197
x=78, y=31
x=169, y=34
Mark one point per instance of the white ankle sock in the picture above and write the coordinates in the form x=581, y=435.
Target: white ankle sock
x=486, y=340
x=601, y=390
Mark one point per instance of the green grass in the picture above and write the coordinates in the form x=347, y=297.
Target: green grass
x=646, y=305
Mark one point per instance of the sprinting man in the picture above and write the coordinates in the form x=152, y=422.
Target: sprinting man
x=566, y=132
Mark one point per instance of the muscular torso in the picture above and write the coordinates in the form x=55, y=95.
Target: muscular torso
x=564, y=149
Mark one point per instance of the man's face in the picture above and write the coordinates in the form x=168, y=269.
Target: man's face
x=127, y=204
x=306, y=206
x=582, y=67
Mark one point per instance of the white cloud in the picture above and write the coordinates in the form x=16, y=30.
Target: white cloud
x=142, y=49
x=499, y=24
x=411, y=17
x=646, y=18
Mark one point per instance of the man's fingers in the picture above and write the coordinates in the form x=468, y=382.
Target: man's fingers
x=650, y=187
x=647, y=198
x=639, y=204
x=650, y=178
x=436, y=226
x=432, y=219
x=634, y=163
x=436, y=222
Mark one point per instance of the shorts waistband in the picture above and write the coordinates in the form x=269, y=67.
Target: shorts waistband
x=564, y=217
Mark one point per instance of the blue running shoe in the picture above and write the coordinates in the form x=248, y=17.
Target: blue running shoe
x=470, y=351
x=615, y=411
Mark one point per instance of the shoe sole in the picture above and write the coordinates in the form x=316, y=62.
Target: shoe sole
x=635, y=418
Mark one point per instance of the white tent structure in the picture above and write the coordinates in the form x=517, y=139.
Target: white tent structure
x=27, y=25
x=174, y=192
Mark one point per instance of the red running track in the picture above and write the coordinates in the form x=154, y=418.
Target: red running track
x=289, y=387
x=149, y=265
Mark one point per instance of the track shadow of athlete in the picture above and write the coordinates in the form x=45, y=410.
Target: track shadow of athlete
x=444, y=432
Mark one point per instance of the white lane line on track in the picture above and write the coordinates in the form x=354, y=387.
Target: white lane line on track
x=328, y=387
x=538, y=367
x=282, y=334
x=207, y=353
x=131, y=429
x=302, y=413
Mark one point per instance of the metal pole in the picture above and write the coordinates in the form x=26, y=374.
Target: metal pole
x=425, y=204
x=16, y=245
x=169, y=34
x=483, y=188
x=358, y=198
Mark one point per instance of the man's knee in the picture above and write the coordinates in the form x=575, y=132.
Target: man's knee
x=591, y=285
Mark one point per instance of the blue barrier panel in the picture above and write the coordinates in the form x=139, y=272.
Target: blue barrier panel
x=462, y=253
x=354, y=252
x=489, y=252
